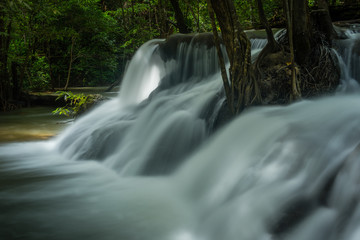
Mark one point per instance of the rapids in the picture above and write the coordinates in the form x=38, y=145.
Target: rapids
x=149, y=166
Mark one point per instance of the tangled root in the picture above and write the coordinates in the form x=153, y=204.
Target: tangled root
x=321, y=74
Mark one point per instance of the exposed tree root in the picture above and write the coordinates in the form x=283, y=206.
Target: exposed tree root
x=319, y=75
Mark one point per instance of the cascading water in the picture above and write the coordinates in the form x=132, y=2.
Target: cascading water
x=146, y=166
x=348, y=52
x=257, y=44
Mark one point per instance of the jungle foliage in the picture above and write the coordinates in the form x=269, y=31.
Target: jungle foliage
x=76, y=104
x=52, y=44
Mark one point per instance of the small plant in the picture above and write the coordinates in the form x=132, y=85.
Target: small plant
x=76, y=103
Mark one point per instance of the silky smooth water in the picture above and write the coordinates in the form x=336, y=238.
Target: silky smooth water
x=148, y=165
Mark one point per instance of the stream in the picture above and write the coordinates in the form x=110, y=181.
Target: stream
x=147, y=165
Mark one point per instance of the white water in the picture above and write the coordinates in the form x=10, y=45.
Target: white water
x=142, y=76
x=349, y=62
x=153, y=170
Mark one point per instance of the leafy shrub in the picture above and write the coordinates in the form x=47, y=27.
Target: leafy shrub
x=76, y=104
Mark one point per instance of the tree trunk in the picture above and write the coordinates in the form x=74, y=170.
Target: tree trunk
x=322, y=22
x=269, y=34
x=183, y=28
x=70, y=63
x=290, y=25
x=301, y=29
x=238, y=48
x=272, y=45
x=229, y=95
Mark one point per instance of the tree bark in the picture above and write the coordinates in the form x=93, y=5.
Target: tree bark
x=183, y=28
x=238, y=48
x=321, y=21
x=269, y=34
x=229, y=95
x=301, y=33
x=290, y=17
x=272, y=45
x=70, y=63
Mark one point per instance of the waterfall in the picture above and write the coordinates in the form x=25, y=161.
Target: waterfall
x=348, y=54
x=256, y=46
x=140, y=81
x=147, y=165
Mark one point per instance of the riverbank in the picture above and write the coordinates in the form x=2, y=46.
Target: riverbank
x=48, y=98
x=36, y=121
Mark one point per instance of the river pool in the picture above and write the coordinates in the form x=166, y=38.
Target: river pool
x=28, y=124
